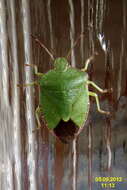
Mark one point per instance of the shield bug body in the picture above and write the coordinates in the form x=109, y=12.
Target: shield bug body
x=64, y=98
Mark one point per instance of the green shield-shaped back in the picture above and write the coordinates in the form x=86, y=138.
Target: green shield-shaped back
x=64, y=96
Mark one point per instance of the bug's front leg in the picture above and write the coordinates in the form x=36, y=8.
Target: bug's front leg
x=38, y=113
x=35, y=69
x=97, y=102
x=88, y=61
x=36, y=73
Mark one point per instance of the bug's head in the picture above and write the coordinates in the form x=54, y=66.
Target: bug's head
x=61, y=64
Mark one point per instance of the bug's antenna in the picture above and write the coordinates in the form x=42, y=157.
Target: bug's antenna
x=75, y=43
x=43, y=46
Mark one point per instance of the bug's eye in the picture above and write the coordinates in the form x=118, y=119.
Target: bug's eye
x=61, y=64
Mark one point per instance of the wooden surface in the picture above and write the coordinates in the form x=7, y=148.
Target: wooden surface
x=38, y=161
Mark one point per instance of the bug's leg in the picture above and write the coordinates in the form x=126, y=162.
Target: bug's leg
x=38, y=112
x=87, y=63
x=25, y=85
x=98, y=88
x=97, y=102
x=35, y=69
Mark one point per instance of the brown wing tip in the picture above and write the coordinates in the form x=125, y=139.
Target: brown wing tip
x=66, y=131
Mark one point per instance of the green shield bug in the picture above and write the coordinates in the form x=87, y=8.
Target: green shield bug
x=64, y=97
